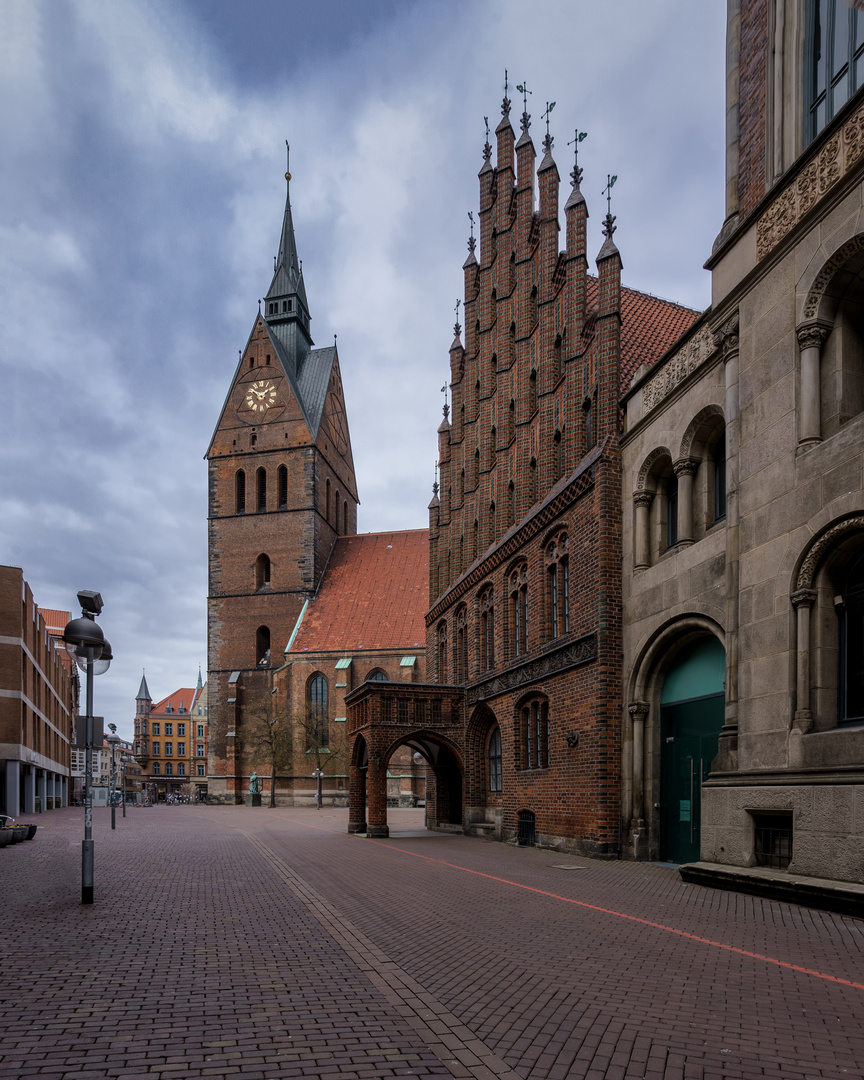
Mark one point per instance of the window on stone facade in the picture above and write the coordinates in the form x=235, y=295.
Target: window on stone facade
x=719, y=473
x=169, y=749
x=442, y=652
x=834, y=60
x=156, y=768
x=169, y=769
x=558, y=585
x=262, y=646
x=240, y=492
x=487, y=631
x=533, y=741
x=282, y=487
x=495, y=770
x=181, y=749
x=671, y=511
x=461, y=650
x=155, y=750
x=181, y=768
x=169, y=728
x=199, y=750
x=155, y=728
x=317, y=714
x=261, y=489
x=518, y=594
x=181, y=728
x=200, y=770
x=200, y=730
x=262, y=573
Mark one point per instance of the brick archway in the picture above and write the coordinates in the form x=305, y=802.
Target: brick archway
x=385, y=716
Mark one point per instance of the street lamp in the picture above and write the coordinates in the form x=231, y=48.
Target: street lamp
x=113, y=739
x=123, y=759
x=86, y=645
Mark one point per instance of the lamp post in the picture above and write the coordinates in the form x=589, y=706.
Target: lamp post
x=113, y=739
x=86, y=645
x=123, y=760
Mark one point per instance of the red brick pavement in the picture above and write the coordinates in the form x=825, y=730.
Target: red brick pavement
x=267, y=943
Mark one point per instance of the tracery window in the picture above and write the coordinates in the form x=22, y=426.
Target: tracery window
x=317, y=705
x=834, y=64
x=533, y=734
x=558, y=585
x=495, y=770
x=240, y=492
x=518, y=592
x=487, y=631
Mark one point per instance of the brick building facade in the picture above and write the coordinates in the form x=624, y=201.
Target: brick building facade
x=171, y=741
x=38, y=699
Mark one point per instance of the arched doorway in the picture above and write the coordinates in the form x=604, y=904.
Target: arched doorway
x=692, y=701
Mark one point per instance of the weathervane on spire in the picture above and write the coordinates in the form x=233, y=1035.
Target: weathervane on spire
x=524, y=91
x=435, y=482
x=609, y=223
x=576, y=174
x=472, y=243
x=457, y=329
x=287, y=161
x=487, y=148
x=547, y=142
x=505, y=104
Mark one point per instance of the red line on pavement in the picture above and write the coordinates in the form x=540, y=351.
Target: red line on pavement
x=603, y=910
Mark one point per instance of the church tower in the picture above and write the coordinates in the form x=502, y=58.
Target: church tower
x=281, y=489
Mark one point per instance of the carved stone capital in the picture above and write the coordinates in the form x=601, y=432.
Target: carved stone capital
x=803, y=598
x=643, y=498
x=685, y=467
x=726, y=337
x=811, y=336
x=638, y=710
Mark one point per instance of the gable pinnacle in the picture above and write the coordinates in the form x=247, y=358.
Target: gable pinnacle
x=526, y=119
x=487, y=148
x=576, y=173
x=505, y=104
x=609, y=222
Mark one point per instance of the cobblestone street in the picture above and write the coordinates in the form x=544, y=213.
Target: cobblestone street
x=268, y=943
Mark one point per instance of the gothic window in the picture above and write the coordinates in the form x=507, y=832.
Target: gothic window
x=156, y=769
x=262, y=646
x=475, y=478
x=533, y=734
x=240, y=492
x=532, y=309
x=442, y=652
x=461, y=653
x=377, y=675
x=518, y=595
x=487, y=631
x=495, y=771
x=317, y=714
x=493, y=438
x=261, y=490
x=558, y=585
x=589, y=424
x=834, y=60
x=251, y=361
x=262, y=573
x=282, y=486
x=511, y=503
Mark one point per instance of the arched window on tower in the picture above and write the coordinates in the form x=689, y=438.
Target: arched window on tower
x=262, y=573
x=261, y=490
x=495, y=771
x=558, y=586
x=240, y=492
x=487, y=631
x=317, y=714
x=262, y=646
x=533, y=734
x=518, y=590
x=282, y=487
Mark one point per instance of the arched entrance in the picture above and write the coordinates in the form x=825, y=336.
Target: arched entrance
x=692, y=702
x=443, y=779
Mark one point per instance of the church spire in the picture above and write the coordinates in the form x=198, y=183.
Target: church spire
x=286, y=298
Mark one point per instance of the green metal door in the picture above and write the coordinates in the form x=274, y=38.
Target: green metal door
x=692, y=707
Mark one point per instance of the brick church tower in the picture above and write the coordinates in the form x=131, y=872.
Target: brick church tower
x=281, y=489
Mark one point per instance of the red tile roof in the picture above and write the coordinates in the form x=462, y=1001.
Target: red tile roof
x=649, y=326
x=55, y=621
x=184, y=698
x=373, y=595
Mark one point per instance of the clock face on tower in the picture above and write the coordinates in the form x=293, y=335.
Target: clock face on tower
x=260, y=396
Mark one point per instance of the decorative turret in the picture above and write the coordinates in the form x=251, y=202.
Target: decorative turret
x=576, y=213
x=607, y=343
x=143, y=701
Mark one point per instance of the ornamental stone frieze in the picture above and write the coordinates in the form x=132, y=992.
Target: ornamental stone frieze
x=582, y=651
x=833, y=160
x=676, y=369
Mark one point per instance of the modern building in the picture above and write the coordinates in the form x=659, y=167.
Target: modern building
x=38, y=699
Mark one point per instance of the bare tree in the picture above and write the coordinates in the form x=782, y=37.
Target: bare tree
x=267, y=734
x=325, y=744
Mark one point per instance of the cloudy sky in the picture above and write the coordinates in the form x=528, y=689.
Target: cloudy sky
x=141, y=196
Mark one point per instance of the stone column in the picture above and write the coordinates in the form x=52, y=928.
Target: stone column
x=13, y=788
x=810, y=340
x=638, y=714
x=30, y=790
x=641, y=540
x=803, y=601
x=685, y=470
x=376, y=780
x=42, y=791
x=356, y=799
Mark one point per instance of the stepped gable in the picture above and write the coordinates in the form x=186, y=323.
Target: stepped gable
x=373, y=595
x=649, y=326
